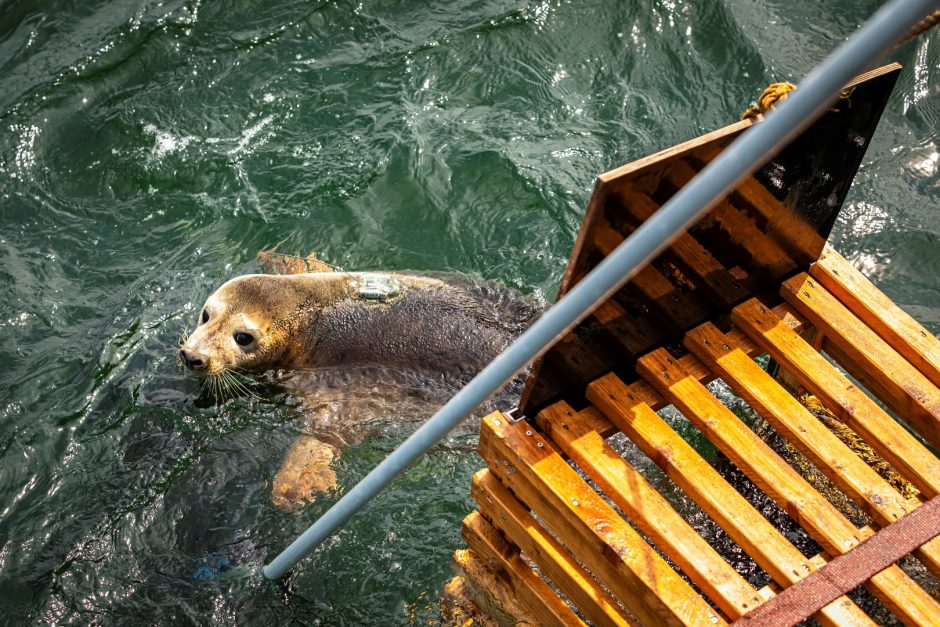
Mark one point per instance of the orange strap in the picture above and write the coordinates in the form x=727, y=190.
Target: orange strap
x=849, y=570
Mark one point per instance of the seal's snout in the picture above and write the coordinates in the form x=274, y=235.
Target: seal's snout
x=193, y=360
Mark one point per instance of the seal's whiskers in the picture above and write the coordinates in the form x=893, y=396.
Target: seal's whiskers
x=231, y=378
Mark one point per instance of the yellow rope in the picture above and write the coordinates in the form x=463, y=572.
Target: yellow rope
x=775, y=92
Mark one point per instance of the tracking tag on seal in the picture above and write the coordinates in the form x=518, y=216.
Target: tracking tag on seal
x=376, y=287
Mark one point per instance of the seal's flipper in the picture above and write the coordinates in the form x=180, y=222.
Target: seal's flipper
x=304, y=473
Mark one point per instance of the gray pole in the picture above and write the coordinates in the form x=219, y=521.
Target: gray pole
x=740, y=159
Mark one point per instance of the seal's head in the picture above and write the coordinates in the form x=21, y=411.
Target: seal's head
x=248, y=323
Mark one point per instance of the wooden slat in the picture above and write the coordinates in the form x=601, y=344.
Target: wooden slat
x=648, y=394
x=697, y=261
x=623, y=562
x=583, y=357
x=479, y=592
x=633, y=335
x=702, y=483
x=720, y=138
x=790, y=418
x=676, y=310
x=499, y=506
x=847, y=402
x=484, y=540
x=745, y=239
x=867, y=357
x=645, y=392
x=850, y=570
x=652, y=513
x=740, y=227
x=783, y=484
x=879, y=313
x=786, y=227
x=679, y=310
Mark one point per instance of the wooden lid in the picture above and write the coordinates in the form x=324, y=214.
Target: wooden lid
x=771, y=227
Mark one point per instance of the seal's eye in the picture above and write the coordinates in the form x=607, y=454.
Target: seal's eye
x=243, y=339
x=205, y=316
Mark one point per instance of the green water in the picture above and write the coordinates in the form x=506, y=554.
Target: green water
x=148, y=150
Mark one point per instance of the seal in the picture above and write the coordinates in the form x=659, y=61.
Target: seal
x=366, y=323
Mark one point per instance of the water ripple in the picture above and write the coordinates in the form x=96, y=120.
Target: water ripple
x=151, y=149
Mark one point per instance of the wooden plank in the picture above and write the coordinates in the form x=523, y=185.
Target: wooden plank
x=673, y=308
x=894, y=325
x=691, y=363
x=575, y=268
x=652, y=513
x=702, y=483
x=634, y=335
x=621, y=560
x=892, y=586
x=802, y=429
x=867, y=357
x=677, y=309
x=499, y=506
x=484, y=540
x=786, y=227
x=720, y=137
x=726, y=133
x=790, y=418
x=584, y=355
x=742, y=239
x=740, y=228
x=707, y=271
x=478, y=593
x=847, y=402
x=850, y=570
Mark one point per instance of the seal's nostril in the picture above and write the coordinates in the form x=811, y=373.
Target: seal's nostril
x=194, y=363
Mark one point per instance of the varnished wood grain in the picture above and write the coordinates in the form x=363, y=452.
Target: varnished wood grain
x=702, y=483
x=740, y=227
x=792, y=420
x=652, y=513
x=636, y=575
x=894, y=325
x=708, y=273
x=802, y=429
x=674, y=307
x=847, y=402
x=499, y=506
x=892, y=586
x=485, y=541
x=479, y=592
x=867, y=357
x=775, y=223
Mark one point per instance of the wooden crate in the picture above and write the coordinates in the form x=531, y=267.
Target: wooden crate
x=772, y=225
x=574, y=531
x=615, y=548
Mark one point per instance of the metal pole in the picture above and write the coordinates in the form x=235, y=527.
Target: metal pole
x=714, y=182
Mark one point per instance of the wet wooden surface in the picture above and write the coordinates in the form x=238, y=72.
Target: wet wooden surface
x=774, y=224
x=879, y=313
x=753, y=278
x=618, y=556
x=557, y=486
x=499, y=505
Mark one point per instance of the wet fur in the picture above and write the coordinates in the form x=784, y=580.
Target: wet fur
x=314, y=330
